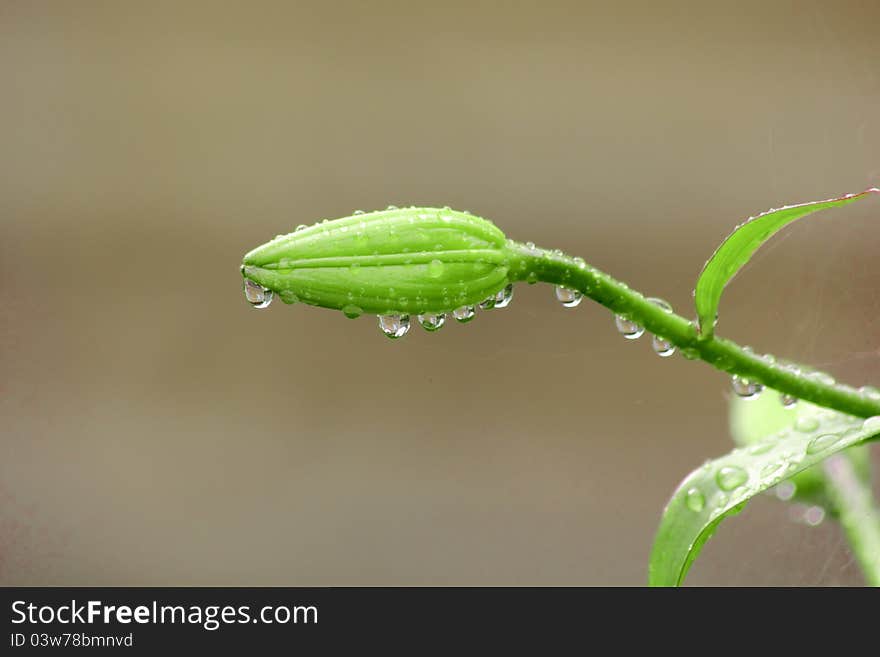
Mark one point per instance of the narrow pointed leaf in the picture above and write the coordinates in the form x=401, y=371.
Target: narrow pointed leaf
x=741, y=244
x=722, y=487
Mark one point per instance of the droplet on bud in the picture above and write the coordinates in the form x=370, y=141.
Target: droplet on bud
x=788, y=401
x=744, y=388
x=662, y=347
x=432, y=321
x=628, y=328
x=394, y=326
x=257, y=295
x=567, y=297
x=464, y=314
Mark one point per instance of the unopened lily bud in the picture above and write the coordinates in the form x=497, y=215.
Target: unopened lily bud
x=404, y=261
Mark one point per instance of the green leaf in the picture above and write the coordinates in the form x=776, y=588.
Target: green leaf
x=722, y=487
x=739, y=247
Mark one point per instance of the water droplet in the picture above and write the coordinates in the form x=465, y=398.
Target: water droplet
x=744, y=388
x=662, y=347
x=356, y=212
x=394, y=326
x=870, y=392
x=761, y=448
x=872, y=424
x=823, y=442
x=257, y=295
x=806, y=424
x=299, y=228
x=731, y=476
x=690, y=353
x=568, y=298
x=432, y=321
x=814, y=516
x=772, y=468
x=435, y=269
x=352, y=311
x=628, y=328
x=504, y=296
x=288, y=296
x=788, y=401
x=664, y=305
x=785, y=490
x=392, y=207
x=695, y=500
x=464, y=314
x=532, y=278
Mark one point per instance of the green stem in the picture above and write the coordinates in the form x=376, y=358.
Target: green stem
x=857, y=514
x=533, y=264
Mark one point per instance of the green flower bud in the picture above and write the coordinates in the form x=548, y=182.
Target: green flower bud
x=398, y=261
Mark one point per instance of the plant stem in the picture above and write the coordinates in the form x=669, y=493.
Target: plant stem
x=533, y=264
x=857, y=514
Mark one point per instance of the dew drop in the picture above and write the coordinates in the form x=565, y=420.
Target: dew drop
x=822, y=377
x=464, y=314
x=730, y=477
x=695, y=500
x=744, y=388
x=435, y=269
x=392, y=207
x=662, y=347
x=257, y=295
x=567, y=297
x=823, y=442
x=394, y=326
x=664, y=305
x=299, y=228
x=788, y=401
x=504, y=296
x=772, y=468
x=785, y=490
x=352, y=311
x=806, y=424
x=870, y=392
x=288, y=296
x=356, y=212
x=872, y=424
x=628, y=328
x=761, y=448
x=432, y=321
x=532, y=278
x=814, y=516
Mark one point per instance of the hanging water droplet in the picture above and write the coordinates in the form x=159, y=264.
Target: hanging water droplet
x=257, y=295
x=872, y=424
x=814, y=516
x=730, y=477
x=788, y=401
x=785, y=490
x=695, y=500
x=394, y=326
x=352, y=311
x=744, y=388
x=432, y=321
x=662, y=347
x=464, y=314
x=435, y=268
x=567, y=297
x=504, y=296
x=806, y=424
x=628, y=328
x=823, y=442
x=299, y=228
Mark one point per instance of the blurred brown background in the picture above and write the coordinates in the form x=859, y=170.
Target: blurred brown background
x=157, y=430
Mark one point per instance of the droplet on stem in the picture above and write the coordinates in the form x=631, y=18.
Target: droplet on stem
x=628, y=328
x=568, y=297
x=464, y=314
x=744, y=388
x=432, y=321
x=394, y=326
